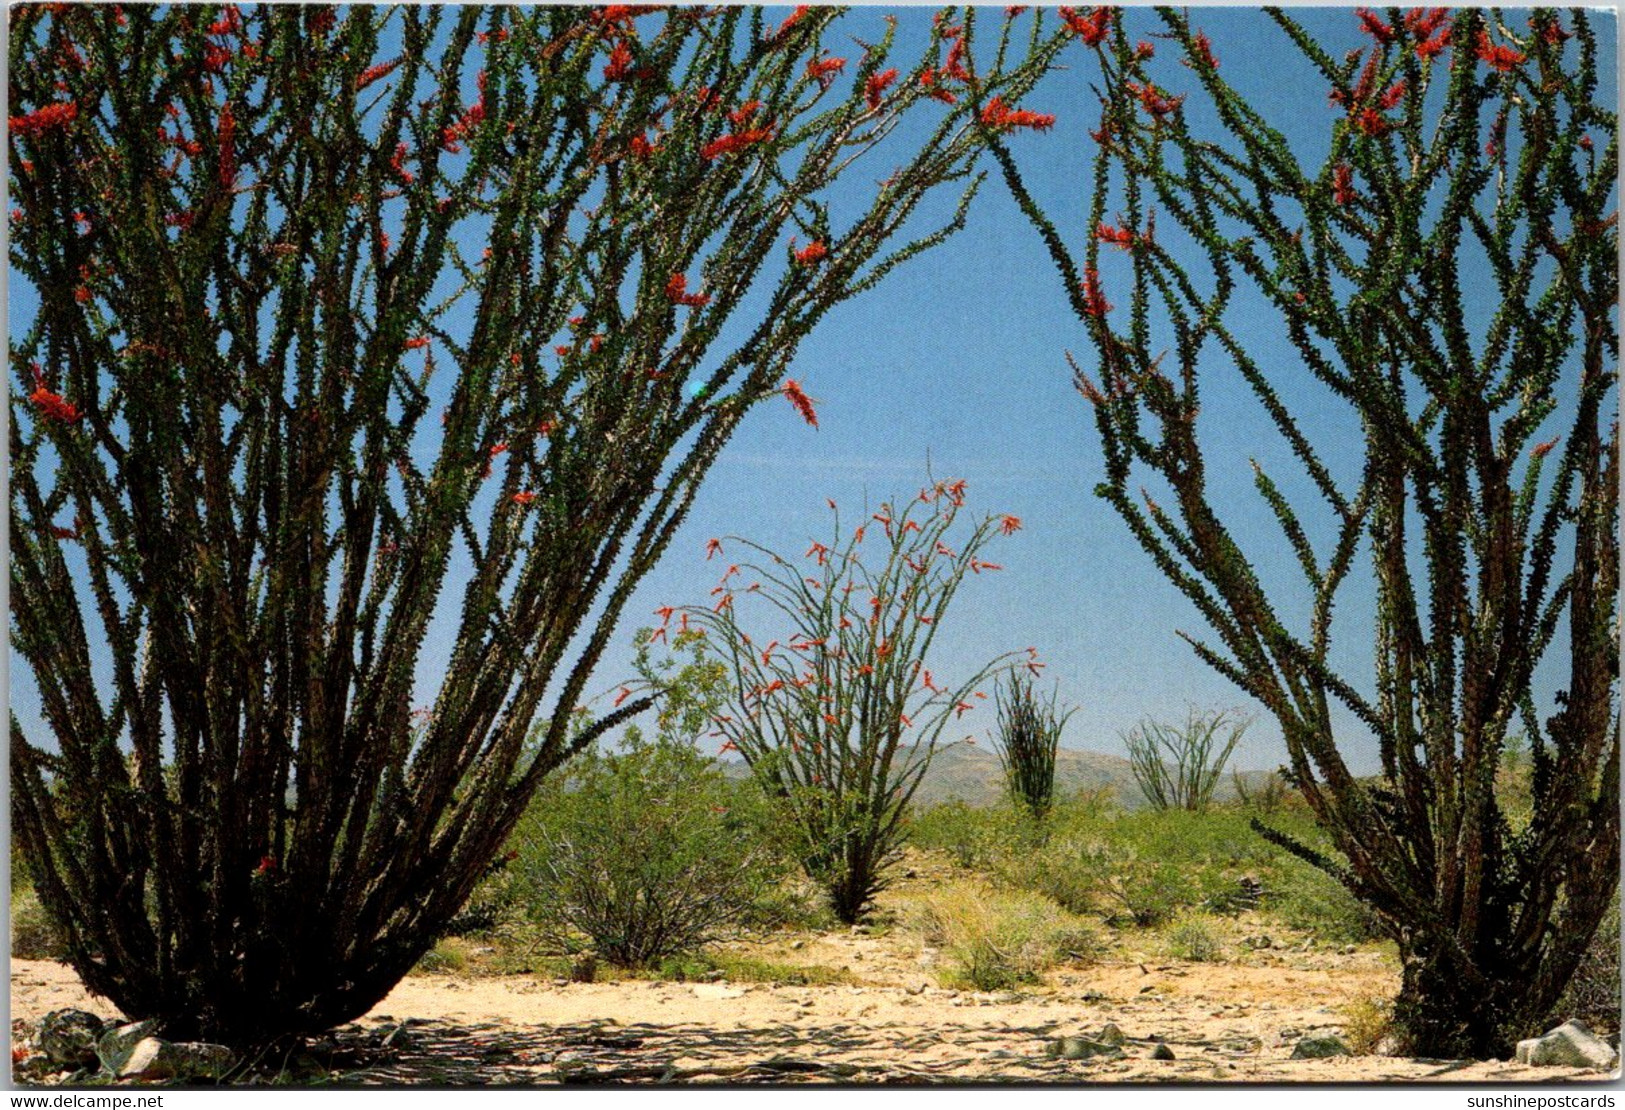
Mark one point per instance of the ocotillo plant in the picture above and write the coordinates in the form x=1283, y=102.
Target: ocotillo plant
x=357, y=322
x=1178, y=766
x=1448, y=274
x=1029, y=731
x=835, y=710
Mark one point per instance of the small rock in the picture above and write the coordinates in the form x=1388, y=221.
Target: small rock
x=1321, y=1047
x=1083, y=1048
x=861, y=930
x=68, y=1038
x=1569, y=1045
x=1111, y=1035
x=1162, y=1052
x=152, y=1058
x=113, y=1048
x=797, y=945
x=1350, y=949
x=917, y=988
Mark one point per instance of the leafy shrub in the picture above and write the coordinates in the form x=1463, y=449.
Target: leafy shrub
x=446, y=957
x=1147, y=892
x=647, y=853
x=1193, y=938
x=977, y=837
x=995, y=940
x=34, y=936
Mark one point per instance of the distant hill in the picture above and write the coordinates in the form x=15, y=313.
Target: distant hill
x=972, y=774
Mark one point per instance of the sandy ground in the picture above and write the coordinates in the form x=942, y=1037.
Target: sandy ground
x=1230, y=1022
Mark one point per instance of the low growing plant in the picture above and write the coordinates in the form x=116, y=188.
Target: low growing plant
x=995, y=940
x=646, y=853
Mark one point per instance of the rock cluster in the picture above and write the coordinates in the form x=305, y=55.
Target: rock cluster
x=81, y=1041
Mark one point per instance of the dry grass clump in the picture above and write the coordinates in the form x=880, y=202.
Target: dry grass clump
x=1367, y=1022
x=1195, y=937
x=995, y=940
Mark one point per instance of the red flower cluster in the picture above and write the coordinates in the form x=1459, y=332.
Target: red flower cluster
x=472, y=117
x=790, y=21
x=1092, y=28
x=803, y=404
x=48, y=118
x=997, y=114
x=1371, y=23
x=1343, y=185
x=825, y=70
x=877, y=84
x=1502, y=59
x=375, y=73
x=1094, y=299
x=398, y=165
x=677, y=293
x=1120, y=237
x=52, y=405
x=739, y=140
x=1203, y=49
x=811, y=253
x=1153, y=99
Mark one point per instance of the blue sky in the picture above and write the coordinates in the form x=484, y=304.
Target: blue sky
x=956, y=365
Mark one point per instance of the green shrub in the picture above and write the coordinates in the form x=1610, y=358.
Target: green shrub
x=1193, y=938
x=647, y=853
x=34, y=936
x=995, y=940
x=977, y=837
x=446, y=957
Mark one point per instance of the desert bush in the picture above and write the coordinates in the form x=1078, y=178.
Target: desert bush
x=1029, y=731
x=366, y=343
x=1141, y=890
x=447, y=957
x=1178, y=765
x=1367, y=1022
x=1445, y=270
x=1194, y=937
x=835, y=710
x=976, y=837
x=995, y=940
x=34, y=935
x=646, y=853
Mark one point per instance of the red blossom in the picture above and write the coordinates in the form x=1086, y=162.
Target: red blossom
x=811, y=254
x=936, y=91
x=48, y=118
x=1343, y=185
x=877, y=85
x=676, y=293
x=1434, y=46
x=619, y=66
x=712, y=547
x=51, y=404
x=640, y=147
x=1094, y=299
x=825, y=70
x=1013, y=10
x=1371, y=23
x=802, y=403
x=398, y=164
x=790, y=21
x=1203, y=49
x=375, y=73
x=1120, y=237
x=1422, y=22
x=744, y=112
x=1502, y=59
x=998, y=115
x=1390, y=99
x=267, y=866
x=1153, y=99
x=1009, y=524
x=1541, y=450
x=524, y=497
x=1372, y=122
x=1091, y=28
x=728, y=144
